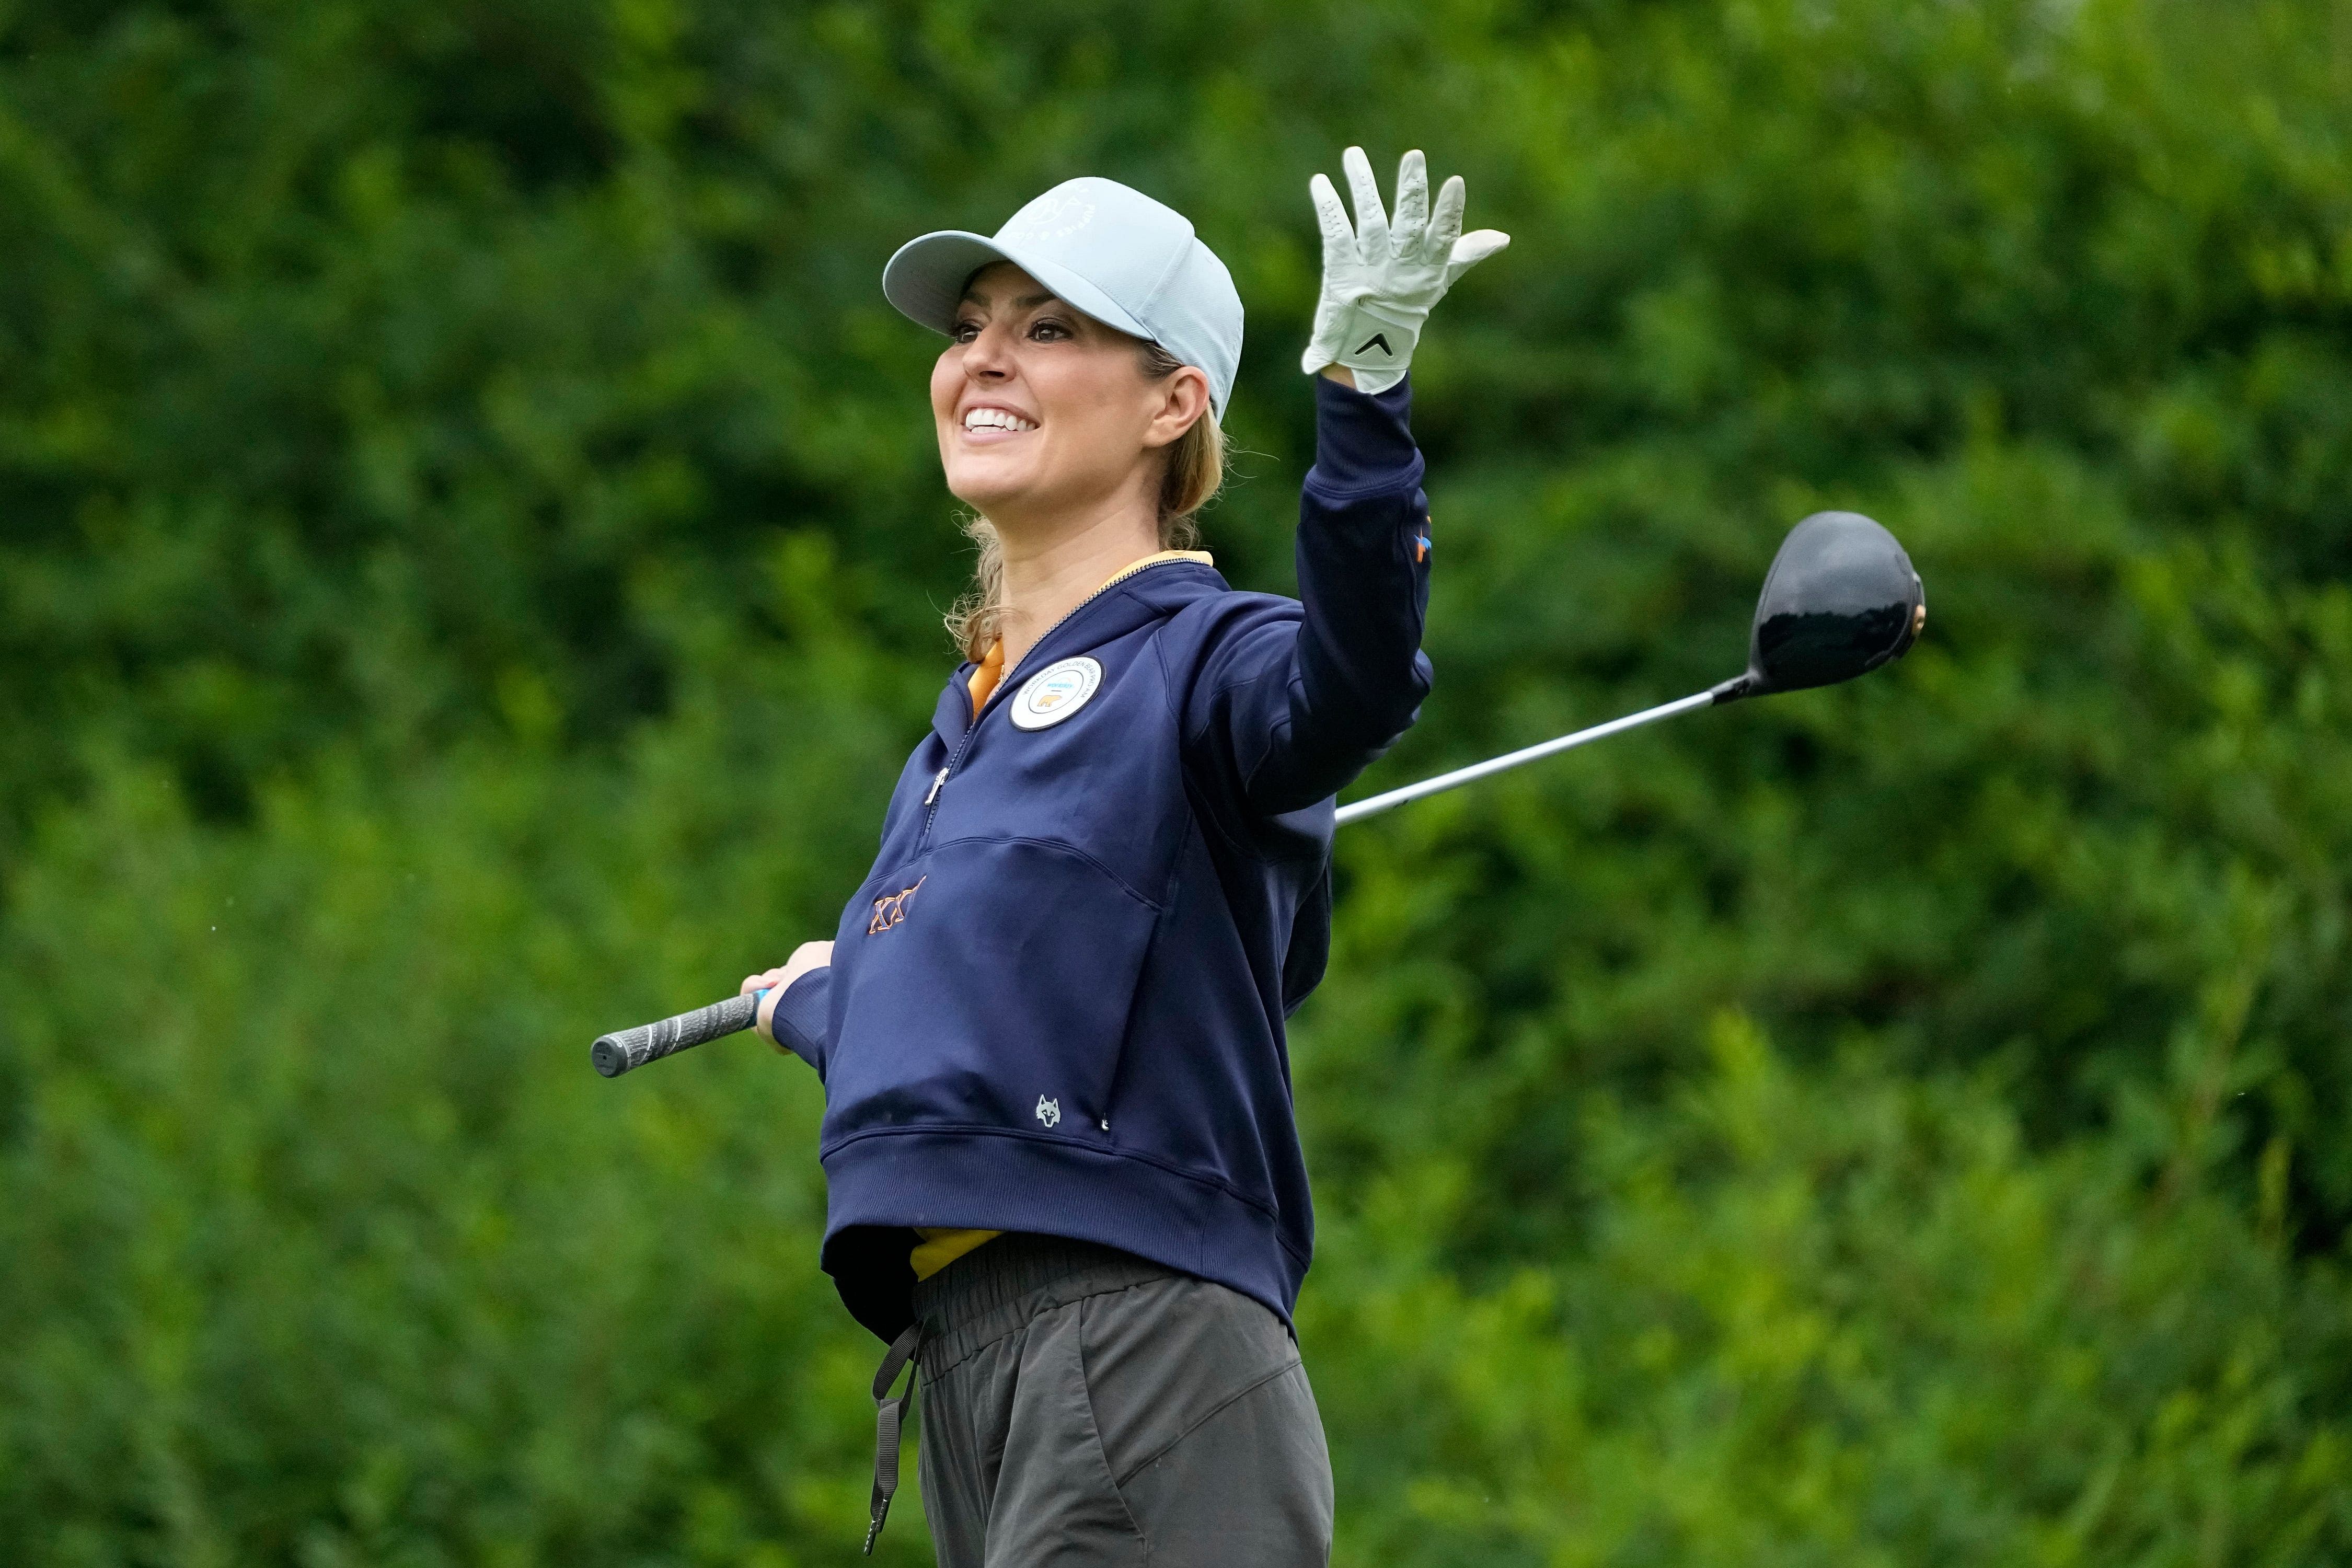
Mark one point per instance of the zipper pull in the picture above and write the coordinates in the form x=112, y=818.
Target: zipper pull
x=937, y=780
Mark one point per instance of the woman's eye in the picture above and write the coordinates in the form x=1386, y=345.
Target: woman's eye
x=1049, y=332
x=963, y=331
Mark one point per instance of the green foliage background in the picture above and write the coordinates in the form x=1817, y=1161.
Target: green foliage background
x=469, y=557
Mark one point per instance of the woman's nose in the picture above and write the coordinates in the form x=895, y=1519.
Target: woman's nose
x=988, y=357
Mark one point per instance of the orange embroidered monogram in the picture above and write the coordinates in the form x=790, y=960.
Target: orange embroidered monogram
x=890, y=911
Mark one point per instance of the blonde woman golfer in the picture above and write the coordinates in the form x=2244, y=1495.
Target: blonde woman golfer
x=1063, y=1175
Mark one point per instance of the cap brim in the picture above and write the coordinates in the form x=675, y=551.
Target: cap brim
x=926, y=280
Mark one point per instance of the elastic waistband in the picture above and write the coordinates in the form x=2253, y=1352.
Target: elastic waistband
x=999, y=1286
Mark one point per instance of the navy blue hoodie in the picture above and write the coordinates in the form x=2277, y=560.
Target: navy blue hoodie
x=1057, y=1003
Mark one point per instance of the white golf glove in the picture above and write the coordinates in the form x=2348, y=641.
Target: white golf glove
x=1379, y=278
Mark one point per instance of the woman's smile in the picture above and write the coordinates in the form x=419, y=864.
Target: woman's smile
x=991, y=422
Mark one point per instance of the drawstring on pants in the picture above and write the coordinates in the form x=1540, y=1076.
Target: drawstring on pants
x=890, y=1415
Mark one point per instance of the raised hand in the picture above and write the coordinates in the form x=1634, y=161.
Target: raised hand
x=1380, y=278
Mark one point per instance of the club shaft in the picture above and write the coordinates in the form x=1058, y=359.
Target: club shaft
x=1377, y=803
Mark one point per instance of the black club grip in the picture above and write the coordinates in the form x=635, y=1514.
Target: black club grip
x=615, y=1054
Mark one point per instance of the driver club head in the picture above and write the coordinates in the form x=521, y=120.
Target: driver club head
x=1842, y=599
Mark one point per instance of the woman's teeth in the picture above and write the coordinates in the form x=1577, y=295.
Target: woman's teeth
x=996, y=419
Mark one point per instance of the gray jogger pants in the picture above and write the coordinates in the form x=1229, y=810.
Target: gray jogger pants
x=1082, y=1406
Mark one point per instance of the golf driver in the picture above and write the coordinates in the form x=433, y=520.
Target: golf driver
x=1841, y=598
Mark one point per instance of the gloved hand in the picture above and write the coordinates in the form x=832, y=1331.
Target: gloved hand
x=1381, y=279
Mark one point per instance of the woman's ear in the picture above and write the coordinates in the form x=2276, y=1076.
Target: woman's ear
x=1183, y=401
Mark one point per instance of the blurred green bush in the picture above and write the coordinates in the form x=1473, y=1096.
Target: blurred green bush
x=469, y=550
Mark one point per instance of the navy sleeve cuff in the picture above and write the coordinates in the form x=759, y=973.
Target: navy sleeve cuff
x=1363, y=440
x=802, y=1016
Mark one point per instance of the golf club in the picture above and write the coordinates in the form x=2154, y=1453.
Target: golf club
x=1841, y=599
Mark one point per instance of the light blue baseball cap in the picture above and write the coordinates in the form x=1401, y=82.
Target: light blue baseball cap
x=1123, y=258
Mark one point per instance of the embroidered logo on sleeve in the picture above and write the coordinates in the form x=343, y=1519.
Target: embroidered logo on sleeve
x=892, y=911
x=1055, y=692
x=1049, y=1112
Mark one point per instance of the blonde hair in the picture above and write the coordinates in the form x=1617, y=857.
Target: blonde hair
x=1196, y=471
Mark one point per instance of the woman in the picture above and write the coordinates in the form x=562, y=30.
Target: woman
x=1062, y=1173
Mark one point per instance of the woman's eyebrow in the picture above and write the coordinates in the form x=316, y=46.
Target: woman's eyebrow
x=1027, y=302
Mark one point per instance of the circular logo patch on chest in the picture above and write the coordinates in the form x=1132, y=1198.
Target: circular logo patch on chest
x=1055, y=692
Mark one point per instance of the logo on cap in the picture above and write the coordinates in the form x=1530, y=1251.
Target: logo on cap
x=1050, y=218
x=1055, y=692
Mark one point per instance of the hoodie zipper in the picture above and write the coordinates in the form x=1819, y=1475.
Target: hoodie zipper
x=971, y=731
